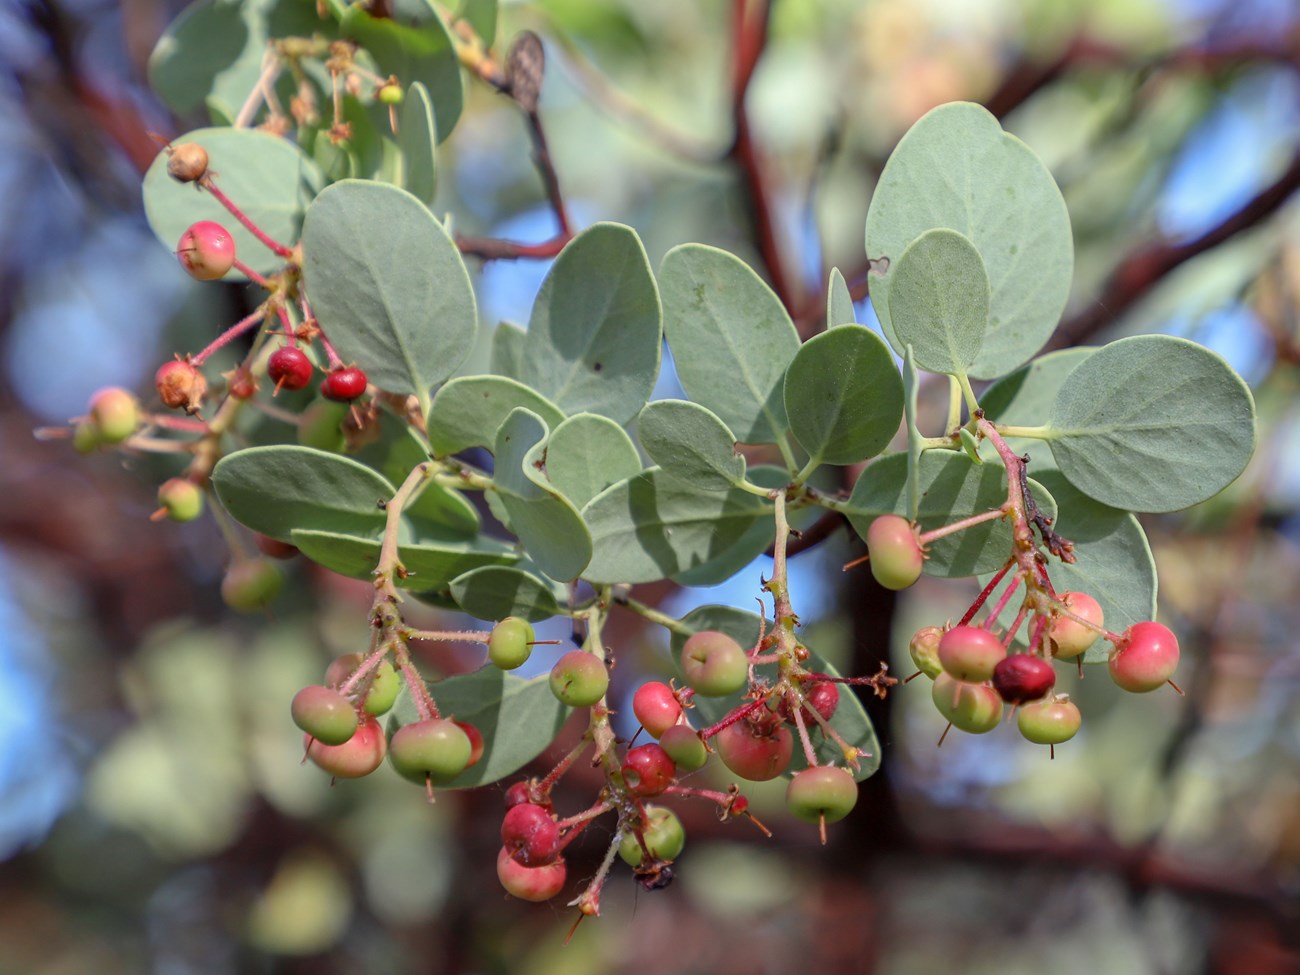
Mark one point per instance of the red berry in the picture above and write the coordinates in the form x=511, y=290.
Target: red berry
x=206, y=250
x=1022, y=678
x=180, y=385
x=240, y=383
x=289, y=368
x=1049, y=722
x=715, y=665
x=1070, y=637
x=656, y=707
x=647, y=770
x=661, y=832
x=476, y=743
x=344, y=384
x=530, y=835
x=518, y=793
x=1145, y=658
x=753, y=755
x=895, y=551
x=970, y=653
x=530, y=883
x=187, y=162
x=824, y=697
x=359, y=755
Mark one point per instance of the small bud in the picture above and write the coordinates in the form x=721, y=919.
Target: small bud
x=187, y=162
x=390, y=94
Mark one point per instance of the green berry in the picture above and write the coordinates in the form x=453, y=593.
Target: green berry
x=820, y=794
x=662, y=833
x=325, y=714
x=384, y=685
x=435, y=749
x=180, y=499
x=389, y=94
x=684, y=747
x=579, y=679
x=251, y=585
x=116, y=412
x=714, y=664
x=1049, y=721
x=85, y=436
x=924, y=649
x=509, y=646
x=973, y=708
x=895, y=550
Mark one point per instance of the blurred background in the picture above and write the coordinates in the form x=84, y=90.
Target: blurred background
x=153, y=814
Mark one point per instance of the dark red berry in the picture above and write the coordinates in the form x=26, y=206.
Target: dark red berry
x=344, y=385
x=530, y=834
x=1022, y=678
x=824, y=698
x=648, y=770
x=289, y=368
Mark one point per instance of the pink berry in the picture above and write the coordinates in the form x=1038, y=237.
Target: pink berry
x=359, y=755
x=476, y=743
x=206, y=251
x=325, y=714
x=1022, y=678
x=530, y=883
x=344, y=384
x=1070, y=637
x=530, y=834
x=824, y=697
x=656, y=707
x=1145, y=658
x=289, y=368
x=895, y=550
x=715, y=665
x=970, y=653
x=518, y=793
x=752, y=754
x=647, y=770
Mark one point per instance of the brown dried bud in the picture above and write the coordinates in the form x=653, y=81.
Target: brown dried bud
x=180, y=386
x=187, y=162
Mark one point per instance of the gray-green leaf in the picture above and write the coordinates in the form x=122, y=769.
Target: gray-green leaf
x=468, y=411
x=429, y=563
x=691, y=444
x=495, y=592
x=939, y=301
x=417, y=137
x=839, y=302
x=586, y=454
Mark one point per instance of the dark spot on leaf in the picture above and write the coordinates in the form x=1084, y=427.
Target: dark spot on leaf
x=597, y=366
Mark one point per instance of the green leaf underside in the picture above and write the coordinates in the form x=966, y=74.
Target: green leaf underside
x=420, y=51
x=939, y=301
x=417, y=137
x=850, y=720
x=388, y=285
x=952, y=487
x=395, y=455
x=843, y=395
x=911, y=383
x=546, y=522
x=1152, y=423
x=596, y=334
x=691, y=444
x=956, y=168
x=482, y=16
x=1113, y=563
x=731, y=339
x=508, y=350
x=650, y=527
x=274, y=490
x=1025, y=398
x=469, y=410
x=429, y=563
x=839, y=302
x=495, y=592
x=586, y=454
x=268, y=177
x=517, y=718
x=756, y=540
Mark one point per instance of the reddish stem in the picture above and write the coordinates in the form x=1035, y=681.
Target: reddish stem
x=1002, y=601
x=987, y=591
x=732, y=718
x=208, y=184
x=229, y=335
x=493, y=249
x=252, y=275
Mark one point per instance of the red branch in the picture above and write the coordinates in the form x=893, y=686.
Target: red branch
x=493, y=249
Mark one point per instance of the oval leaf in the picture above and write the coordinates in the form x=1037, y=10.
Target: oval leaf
x=274, y=490
x=939, y=301
x=690, y=443
x=388, y=285
x=586, y=454
x=731, y=339
x=508, y=350
x=1152, y=423
x=952, y=487
x=270, y=179
x=468, y=412
x=495, y=592
x=596, y=332
x=911, y=384
x=839, y=302
x=429, y=564
x=546, y=521
x=650, y=527
x=956, y=168
x=843, y=395
x=417, y=137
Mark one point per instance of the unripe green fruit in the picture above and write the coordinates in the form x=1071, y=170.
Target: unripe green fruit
x=390, y=94
x=181, y=499
x=384, y=685
x=321, y=426
x=534, y=884
x=435, y=748
x=85, y=436
x=1069, y=637
x=509, y=645
x=251, y=585
x=924, y=649
x=714, y=664
x=753, y=756
x=579, y=679
x=1145, y=659
x=896, y=555
x=359, y=755
x=663, y=835
x=1049, y=721
x=325, y=714
x=116, y=413
x=684, y=747
x=824, y=793
x=973, y=708
x=969, y=653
